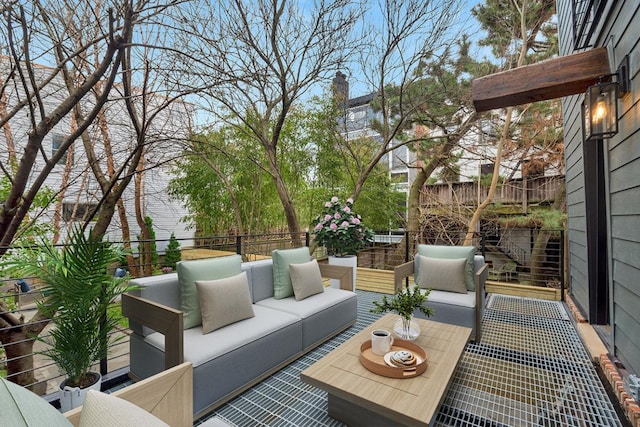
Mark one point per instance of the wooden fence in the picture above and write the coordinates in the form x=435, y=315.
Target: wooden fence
x=519, y=191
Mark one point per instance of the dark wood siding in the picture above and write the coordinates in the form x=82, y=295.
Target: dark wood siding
x=618, y=30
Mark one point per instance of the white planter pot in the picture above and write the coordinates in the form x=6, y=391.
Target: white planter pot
x=72, y=397
x=348, y=261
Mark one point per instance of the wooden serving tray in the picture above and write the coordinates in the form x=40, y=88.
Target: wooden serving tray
x=377, y=365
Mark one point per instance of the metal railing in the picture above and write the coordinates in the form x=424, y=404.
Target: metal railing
x=531, y=266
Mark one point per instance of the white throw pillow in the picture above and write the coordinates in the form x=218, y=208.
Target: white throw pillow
x=306, y=279
x=224, y=301
x=443, y=274
x=104, y=410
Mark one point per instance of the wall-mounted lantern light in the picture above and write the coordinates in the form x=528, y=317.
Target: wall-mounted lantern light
x=600, y=107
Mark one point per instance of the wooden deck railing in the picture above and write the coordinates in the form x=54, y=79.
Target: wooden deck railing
x=530, y=191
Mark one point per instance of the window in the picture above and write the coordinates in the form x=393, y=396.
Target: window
x=57, y=140
x=399, y=158
x=400, y=178
x=77, y=211
x=586, y=15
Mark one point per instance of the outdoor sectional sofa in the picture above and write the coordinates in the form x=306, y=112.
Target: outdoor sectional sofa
x=235, y=356
x=456, y=277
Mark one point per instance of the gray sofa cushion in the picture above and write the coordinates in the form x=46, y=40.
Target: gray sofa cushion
x=467, y=299
x=308, y=306
x=322, y=315
x=200, y=348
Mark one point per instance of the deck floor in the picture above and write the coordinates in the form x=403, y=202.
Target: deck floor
x=530, y=368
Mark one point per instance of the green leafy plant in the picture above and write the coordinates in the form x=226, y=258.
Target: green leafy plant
x=404, y=302
x=340, y=230
x=78, y=290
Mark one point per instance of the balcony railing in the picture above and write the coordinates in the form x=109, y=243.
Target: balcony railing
x=390, y=249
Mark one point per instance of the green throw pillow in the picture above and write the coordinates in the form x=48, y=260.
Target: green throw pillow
x=203, y=269
x=450, y=252
x=282, y=287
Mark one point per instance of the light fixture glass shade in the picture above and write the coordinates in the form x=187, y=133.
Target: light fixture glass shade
x=600, y=111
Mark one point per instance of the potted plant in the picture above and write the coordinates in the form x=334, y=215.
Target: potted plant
x=342, y=233
x=78, y=289
x=405, y=302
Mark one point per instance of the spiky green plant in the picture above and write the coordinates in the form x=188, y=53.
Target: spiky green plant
x=78, y=289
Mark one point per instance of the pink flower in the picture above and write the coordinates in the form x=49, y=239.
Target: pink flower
x=336, y=215
x=318, y=226
x=350, y=200
x=333, y=226
x=344, y=224
x=327, y=205
x=347, y=209
x=334, y=199
x=355, y=220
x=327, y=217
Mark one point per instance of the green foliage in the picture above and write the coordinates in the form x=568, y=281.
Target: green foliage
x=340, y=230
x=79, y=290
x=543, y=217
x=405, y=302
x=172, y=253
x=31, y=230
x=149, y=257
x=225, y=167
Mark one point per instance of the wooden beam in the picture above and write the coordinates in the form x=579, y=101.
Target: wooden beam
x=553, y=78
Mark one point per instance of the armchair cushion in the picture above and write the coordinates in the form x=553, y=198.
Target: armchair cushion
x=204, y=269
x=224, y=301
x=282, y=287
x=442, y=274
x=449, y=252
x=104, y=410
x=306, y=279
x=19, y=406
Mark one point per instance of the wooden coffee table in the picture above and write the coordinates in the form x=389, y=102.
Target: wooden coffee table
x=357, y=396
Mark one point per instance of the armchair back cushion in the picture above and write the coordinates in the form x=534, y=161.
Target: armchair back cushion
x=202, y=269
x=443, y=274
x=449, y=252
x=282, y=287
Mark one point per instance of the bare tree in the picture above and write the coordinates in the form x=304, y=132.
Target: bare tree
x=519, y=43
x=38, y=100
x=410, y=34
x=268, y=54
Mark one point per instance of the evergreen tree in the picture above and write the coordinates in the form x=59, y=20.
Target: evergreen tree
x=172, y=254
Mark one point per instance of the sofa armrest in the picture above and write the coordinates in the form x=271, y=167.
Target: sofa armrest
x=339, y=272
x=167, y=395
x=166, y=320
x=400, y=273
x=480, y=278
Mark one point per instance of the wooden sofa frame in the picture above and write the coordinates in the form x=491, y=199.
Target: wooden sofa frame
x=167, y=395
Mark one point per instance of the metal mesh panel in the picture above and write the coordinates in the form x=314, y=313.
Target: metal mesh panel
x=530, y=369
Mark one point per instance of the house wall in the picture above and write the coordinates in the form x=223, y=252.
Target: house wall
x=618, y=30
x=169, y=127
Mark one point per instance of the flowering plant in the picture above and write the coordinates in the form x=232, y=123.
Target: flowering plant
x=340, y=230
